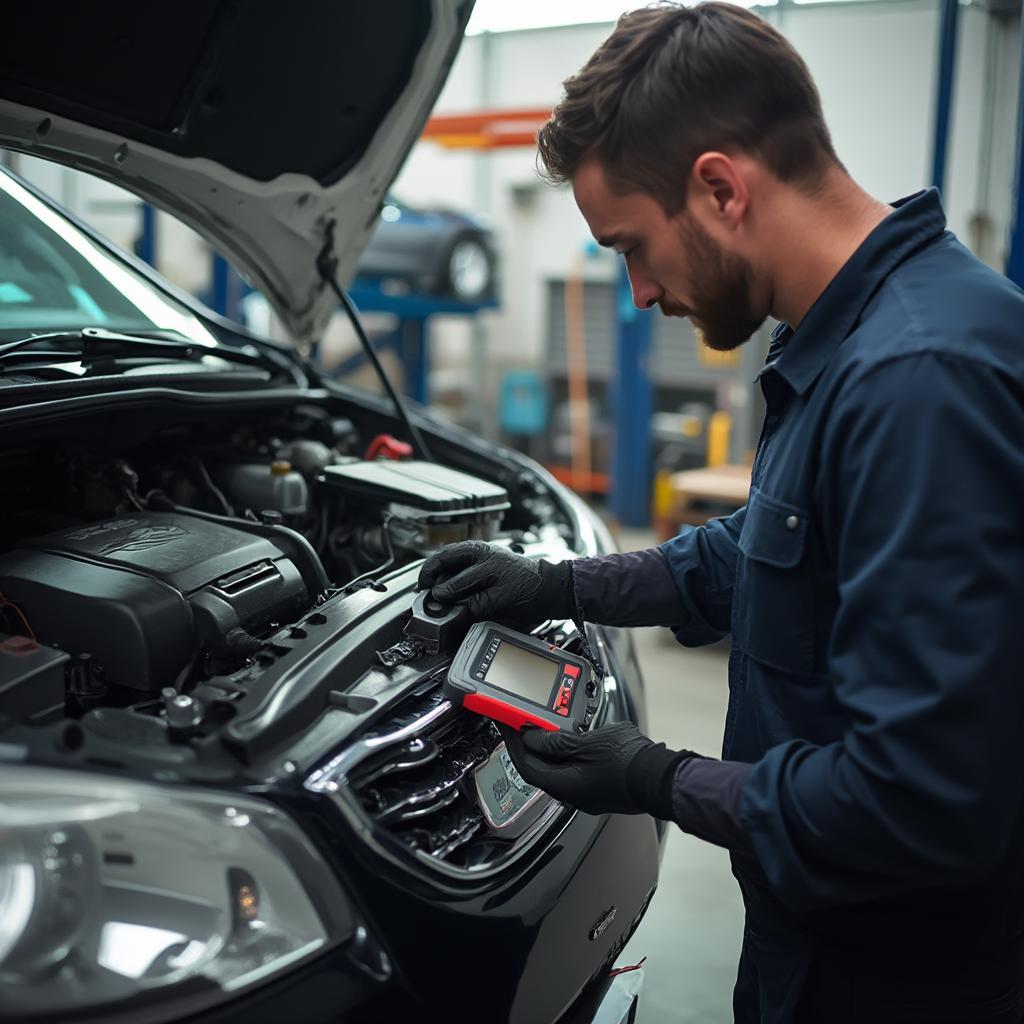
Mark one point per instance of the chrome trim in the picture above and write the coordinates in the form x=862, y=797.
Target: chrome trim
x=364, y=828
x=332, y=777
x=328, y=778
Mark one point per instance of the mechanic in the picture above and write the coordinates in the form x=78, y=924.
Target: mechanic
x=870, y=789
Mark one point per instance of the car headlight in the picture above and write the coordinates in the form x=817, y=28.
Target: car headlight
x=114, y=892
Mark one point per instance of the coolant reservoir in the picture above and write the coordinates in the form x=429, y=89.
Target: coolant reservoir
x=261, y=485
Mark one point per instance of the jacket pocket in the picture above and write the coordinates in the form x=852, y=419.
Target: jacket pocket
x=773, y=616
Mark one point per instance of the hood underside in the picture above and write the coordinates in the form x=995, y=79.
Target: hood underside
x=259, y=124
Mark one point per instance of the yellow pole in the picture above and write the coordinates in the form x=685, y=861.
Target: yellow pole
x=719, y=429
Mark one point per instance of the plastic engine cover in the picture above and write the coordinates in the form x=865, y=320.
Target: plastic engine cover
x=143, y=594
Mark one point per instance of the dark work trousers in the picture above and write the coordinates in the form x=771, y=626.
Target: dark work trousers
x=787, y=978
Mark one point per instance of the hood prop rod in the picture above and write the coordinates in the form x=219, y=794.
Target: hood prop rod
x=327, y=266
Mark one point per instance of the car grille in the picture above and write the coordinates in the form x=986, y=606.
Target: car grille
x=407, y=784
x=420, y=789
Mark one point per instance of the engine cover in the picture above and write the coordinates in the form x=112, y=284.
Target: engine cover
x=144, y=594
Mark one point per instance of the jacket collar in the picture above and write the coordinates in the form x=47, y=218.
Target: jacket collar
x=798, y=357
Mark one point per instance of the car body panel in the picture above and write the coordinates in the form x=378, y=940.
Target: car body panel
x=522, y=952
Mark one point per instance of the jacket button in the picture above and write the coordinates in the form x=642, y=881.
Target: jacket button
x=792, y=522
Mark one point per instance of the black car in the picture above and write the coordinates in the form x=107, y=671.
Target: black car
x=431, y=250
x=232, y=789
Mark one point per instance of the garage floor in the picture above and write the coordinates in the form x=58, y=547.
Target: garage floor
x=691, y=934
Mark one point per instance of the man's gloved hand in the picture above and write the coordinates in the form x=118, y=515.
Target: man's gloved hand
x=491, y=580
x=616, y=770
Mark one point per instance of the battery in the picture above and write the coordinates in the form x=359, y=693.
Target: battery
x=31, y=677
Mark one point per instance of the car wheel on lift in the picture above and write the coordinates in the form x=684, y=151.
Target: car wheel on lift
x=468, y=269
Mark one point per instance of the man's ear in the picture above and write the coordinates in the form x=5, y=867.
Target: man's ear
x=718, y=186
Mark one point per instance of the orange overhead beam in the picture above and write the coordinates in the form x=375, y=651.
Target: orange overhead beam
x=592, y=483
x=487, y=129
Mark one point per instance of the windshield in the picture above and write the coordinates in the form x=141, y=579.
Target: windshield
x=53, y=277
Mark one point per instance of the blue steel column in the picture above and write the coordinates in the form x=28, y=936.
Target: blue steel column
x=147, y=237
x=1015, y=260
x=632, y=472
x=415, y=361
x=948, y=18
x=224, y=292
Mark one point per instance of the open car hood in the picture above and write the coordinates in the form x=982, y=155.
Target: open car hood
x=267, y=127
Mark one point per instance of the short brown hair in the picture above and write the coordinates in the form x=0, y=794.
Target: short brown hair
x=672, y=82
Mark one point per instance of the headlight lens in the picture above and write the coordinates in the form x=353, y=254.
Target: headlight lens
x=110, y=890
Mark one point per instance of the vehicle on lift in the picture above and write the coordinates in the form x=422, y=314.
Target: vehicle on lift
x=232, y=785
x=431, y=251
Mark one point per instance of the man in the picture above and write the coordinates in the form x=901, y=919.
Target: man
x=871, y=786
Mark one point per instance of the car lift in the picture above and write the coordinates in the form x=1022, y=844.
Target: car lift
x=411, y=338
x=484, y=130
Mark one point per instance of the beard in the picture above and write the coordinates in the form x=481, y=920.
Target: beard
x=725, y=318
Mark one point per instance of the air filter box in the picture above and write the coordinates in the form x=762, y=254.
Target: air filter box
x=428, y=505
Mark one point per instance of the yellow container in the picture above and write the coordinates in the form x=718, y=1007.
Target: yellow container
x=719, y=429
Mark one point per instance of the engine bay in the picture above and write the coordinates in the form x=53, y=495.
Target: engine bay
x=155, y=583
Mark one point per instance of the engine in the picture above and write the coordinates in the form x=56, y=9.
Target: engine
x=171, y=564
x=145, y=595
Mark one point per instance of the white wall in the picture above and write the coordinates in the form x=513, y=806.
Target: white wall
x=874, y=67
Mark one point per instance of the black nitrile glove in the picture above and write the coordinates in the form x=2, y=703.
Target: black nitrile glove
x=490, y=580
x=616, y=770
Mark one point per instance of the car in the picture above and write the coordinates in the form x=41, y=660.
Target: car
x=431, y=251
x=232, y=788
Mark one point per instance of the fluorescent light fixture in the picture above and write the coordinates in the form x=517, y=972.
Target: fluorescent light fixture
x=502, y=16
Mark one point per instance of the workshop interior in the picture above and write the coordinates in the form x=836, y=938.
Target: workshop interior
x=308, y=315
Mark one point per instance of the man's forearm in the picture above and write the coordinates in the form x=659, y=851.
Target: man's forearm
x=706, y=801
x=632, y=588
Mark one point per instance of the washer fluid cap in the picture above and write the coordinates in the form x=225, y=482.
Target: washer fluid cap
x=386, y=446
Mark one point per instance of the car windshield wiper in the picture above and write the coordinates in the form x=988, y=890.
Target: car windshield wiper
x=94, y=343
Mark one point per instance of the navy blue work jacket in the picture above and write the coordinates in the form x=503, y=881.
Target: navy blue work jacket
x=874, y=589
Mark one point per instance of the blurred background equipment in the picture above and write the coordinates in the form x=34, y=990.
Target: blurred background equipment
x=658, y=400
x=523, y=409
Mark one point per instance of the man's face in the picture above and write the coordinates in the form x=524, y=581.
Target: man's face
x=672, y=261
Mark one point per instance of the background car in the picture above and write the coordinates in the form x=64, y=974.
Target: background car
x=230, y=793
x=432, y=251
